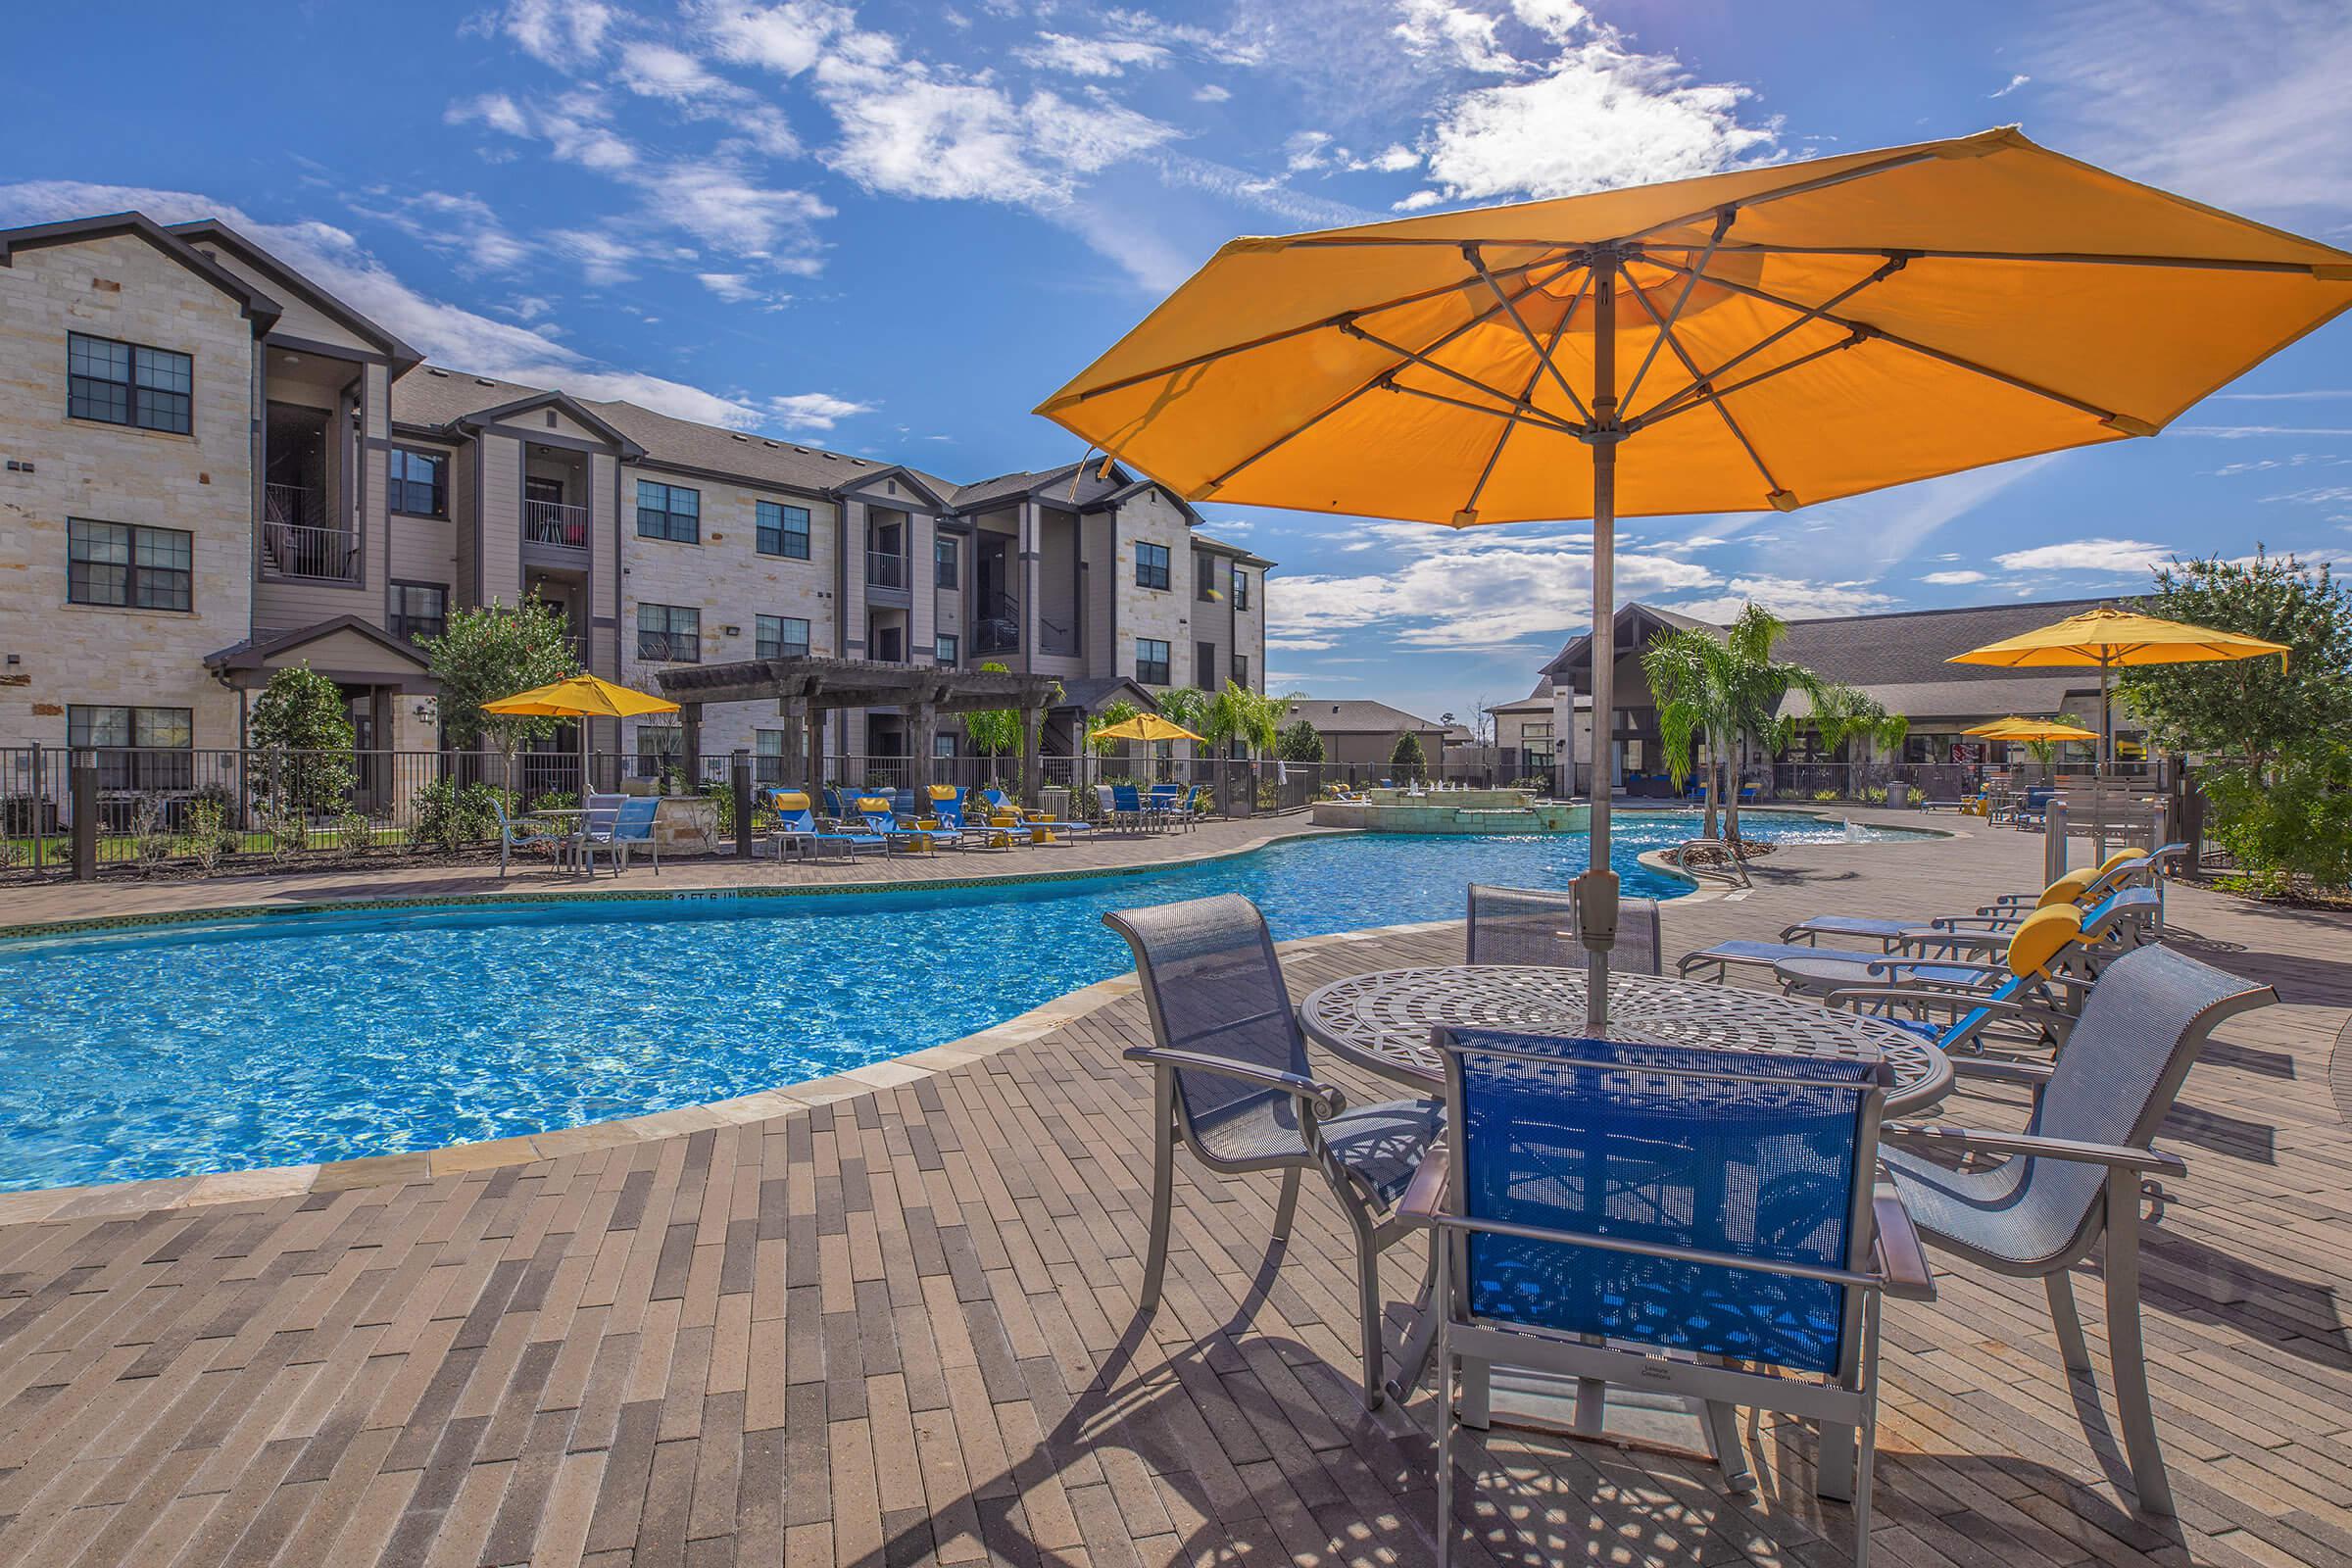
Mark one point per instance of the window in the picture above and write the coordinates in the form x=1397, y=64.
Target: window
x=1205, y=665
x=943, y=743
x=890, y=643
x=417, y=610
x=127, y=383
x=1240, y=671
x=1240, y=587
x=667, y=631
x=660, y=748
x=767, y=756
x=781, y=636
x=420, y=482
x=946, y=648
x=1152, y=662
x=134, y=567
x=1204, y=578
x=943, y=562
x=137, y=730
x=783, y=529
x=669, y=511
x=1150, y=566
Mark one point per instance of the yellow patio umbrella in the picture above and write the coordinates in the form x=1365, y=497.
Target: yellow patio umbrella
x=2111, y=639
x=1145, y=727
x=581, y=697
x=2030, y=729
x=1758, y=340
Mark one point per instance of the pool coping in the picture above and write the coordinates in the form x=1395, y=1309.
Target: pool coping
x=116, y=1199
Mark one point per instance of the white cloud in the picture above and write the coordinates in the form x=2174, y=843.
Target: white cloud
x=2236, y=101
x=813, y=411
x=573, y=125
x=2282, y=397
x=1211, y=93
x=1089, y=56
x=444, y=332
x=2325, y=494
x=2015, y=83
x=2250, y=432
x=1953, y=579
x=1455, y=35
x=678, y=78
x=464, y=225
x=1791, y=598
x=2119, y=557
x=565, y=33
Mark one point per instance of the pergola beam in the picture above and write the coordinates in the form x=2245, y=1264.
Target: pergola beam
x=818, y=685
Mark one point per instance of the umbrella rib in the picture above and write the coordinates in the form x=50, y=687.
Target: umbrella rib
x=1543, y=359
x=1804, y=187
x=1218, y=482
x=1519, y=404
x=1536, y=417
x=1666, y=336
x=1503, y=438
x=1703, y=392
x=2107, y=416
x=1723, y=227
x=1663, y=406
x=2222, y=264
x=1268, y=339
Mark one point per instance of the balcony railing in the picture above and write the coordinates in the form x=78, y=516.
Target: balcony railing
x=331, y=555
x=884, y=570
x=555, y=522
x=294, y=505
x=997, y=628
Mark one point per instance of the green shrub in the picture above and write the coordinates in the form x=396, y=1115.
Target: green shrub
x=2291, y=830
x=451, y=818
x=1874, y=795
x=555, y=800
x=205, y=822
x=1825, y=797
x=354, y=832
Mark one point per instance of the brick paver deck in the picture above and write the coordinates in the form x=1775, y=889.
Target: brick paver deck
x=899, y=1329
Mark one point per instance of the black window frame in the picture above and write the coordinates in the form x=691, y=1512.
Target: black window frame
x=1239, y=673
x=133, y=763
x=1144, y=665
x=414, y=628
x=1204, y=669
x=397, y=484
x=946, y=563
x=81, y=570
x=672, y=519
x=1241, y=586
x=783, y=646
x=1147, y=572
x=661, y=760
x=671, y=635
x=947, y=648
x=137, y=397
x=1204, y=578
x=780, y=530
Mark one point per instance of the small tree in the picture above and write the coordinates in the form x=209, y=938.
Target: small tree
x=1187, y=706
x=994, y=731
x=1300, y=742
x=495, y=652
x=1407, y=761
x=1116, y=713
x=301, y=724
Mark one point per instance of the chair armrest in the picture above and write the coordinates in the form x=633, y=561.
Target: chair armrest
x=1979, y=921
x=1901, y=1256
x=1326, y=1099
x=1424, y=1196
x=1926, y=997
x=1942, y=937
x=2004, y=1071
x=1970, y=1140
x=1902, y=962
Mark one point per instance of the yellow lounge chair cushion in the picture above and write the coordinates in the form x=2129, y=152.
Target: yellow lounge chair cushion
x=943, y=791
x=2044, y=935
x=2068, y=888
x=873, y=803
x=790, y=801
x=2116, y=859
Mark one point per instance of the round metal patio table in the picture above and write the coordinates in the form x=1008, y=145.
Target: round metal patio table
x=1382, y=1020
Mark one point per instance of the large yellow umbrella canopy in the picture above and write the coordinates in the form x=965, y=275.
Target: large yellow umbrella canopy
x=1144, y=728
x=1768, y=338
x=2030, y=729
x=581, y=697
x=2110, y=639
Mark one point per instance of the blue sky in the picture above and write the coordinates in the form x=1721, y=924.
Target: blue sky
x=894, y=227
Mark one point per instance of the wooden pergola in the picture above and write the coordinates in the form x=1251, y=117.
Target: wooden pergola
x=808, y=688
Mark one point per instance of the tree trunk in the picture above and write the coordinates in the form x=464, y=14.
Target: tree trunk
x=1731, y=804
x=1714, y=775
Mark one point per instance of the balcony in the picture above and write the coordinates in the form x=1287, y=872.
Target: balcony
x=997, y=628
x=557, y=523
x=885, y=568
x=295, y=545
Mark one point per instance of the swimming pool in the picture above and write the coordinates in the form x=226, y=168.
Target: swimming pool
x=233, y=1045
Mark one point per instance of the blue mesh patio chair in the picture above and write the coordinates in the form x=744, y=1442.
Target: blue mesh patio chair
x=2073, y=1175
x=634, y=828
x=1669, y=1219
x=1231, y=1081
x=526, y=833
x=1537, y=926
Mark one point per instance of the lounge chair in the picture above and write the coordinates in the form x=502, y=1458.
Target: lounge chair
x=795, y=816
x=2122, y=922
x=2074, y=1175
x=1232, y=1082
x=523, y=833
x=875, y=814
x=635, y=827
x=597, y=822
x=1041, y=829
x=2084, y=886
x=1954, y=1004
x=1589, y=1231
x=1539, y=926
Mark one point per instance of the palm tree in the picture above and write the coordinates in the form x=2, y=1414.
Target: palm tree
x=1690, y=678
x=1759, y=684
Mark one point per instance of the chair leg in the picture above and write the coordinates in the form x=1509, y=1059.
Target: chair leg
x=1163, y=1188
x=1367, y=1305
x=1445, y=1431
x=1723, y=1437
x=2125, y=1349
x=1287, y=1210
x=1835, y=1475
x=2068, y=1322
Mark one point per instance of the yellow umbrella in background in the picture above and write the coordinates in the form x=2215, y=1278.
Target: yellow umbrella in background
x=1756, y=340
x=2030, y=729
x=581, y=697
x=2110, y=640
x=1145, y=727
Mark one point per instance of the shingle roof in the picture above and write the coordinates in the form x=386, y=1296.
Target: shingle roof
x=1357, y=717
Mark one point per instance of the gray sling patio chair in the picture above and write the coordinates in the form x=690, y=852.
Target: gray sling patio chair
x=2073, y=1175
x=1537, y=926
x=1231, y=1082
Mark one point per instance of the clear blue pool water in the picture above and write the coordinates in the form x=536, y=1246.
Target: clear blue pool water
x=234, y=1045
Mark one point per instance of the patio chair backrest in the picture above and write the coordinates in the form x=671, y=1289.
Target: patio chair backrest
x=1106, y=800
x=1214, y=985
x=1634, y=1157
x=793, y=812
x=947, y=803
x=1523, y=926
x=997, y=800
x=2141, y=907
x=604, y=812
x=635, y=824
x=1127, y=797
x=2141, y=1027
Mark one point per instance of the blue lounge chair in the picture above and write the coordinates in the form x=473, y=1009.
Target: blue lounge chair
x=1945, y=1004
x=2086, y=886
x=793, y=815
x=874, y=811
x=1929, y=956
x=2141, y=910
x=1672, y=1220
x=947, y=807
x=1002, y=804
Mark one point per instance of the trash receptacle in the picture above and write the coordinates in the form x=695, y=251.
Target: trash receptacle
x=1054, y=802
x=1899, y=794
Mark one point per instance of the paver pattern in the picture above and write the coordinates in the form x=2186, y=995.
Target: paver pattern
x=899, y=1329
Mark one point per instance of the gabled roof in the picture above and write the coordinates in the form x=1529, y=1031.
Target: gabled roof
x=757, y=457
x=1083, y=485
x=212, y=232
x=257, y=307
x=1634, y=622
x=1223, y=547
x=1357, y=717
x=563, y=402
x=1094, y=693
x=923, y=483
x=255, y=652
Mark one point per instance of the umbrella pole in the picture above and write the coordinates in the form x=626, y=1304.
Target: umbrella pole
x=2098, y=843
x=1596, y=891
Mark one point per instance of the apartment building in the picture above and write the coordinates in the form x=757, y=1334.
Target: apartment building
x=214, y=468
